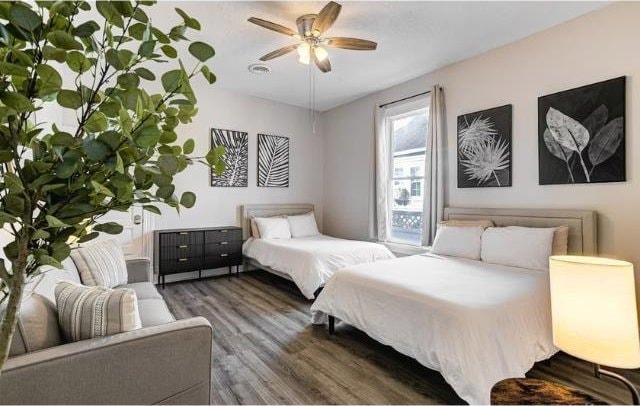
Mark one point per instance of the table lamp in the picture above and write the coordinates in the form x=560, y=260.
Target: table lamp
x=594, y=313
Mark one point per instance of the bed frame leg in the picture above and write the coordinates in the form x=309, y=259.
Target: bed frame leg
x=332, y=325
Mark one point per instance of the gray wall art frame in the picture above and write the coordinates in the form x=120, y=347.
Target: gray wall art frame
x=484, y=148
x=273, y=161
x=236, y=158
x=581, y=134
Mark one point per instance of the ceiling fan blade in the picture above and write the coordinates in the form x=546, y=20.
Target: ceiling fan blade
x=272, y=26
x=324, y=65
x=352, y=43
x=279, y=52
x=327, y=16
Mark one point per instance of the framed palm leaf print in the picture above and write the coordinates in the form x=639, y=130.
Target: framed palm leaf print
x=236, y=158
x=484, y=148
x=273, y=161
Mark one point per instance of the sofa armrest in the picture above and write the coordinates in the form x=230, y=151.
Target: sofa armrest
x=139, y=269
x=169, y=363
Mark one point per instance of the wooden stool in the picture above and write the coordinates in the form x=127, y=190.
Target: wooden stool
x=524, y=391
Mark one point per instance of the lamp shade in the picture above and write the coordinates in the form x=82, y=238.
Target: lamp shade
x=594, y=311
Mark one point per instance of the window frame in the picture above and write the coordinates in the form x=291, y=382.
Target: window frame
x=402, y=110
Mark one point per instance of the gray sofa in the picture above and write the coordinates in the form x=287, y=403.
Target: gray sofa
x=164, y=362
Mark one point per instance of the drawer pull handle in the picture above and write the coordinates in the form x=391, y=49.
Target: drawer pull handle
x=224, y=255
x=224, y=243
x=182, y=259
x=183, y=246
x=184, y=233
x=223, y=231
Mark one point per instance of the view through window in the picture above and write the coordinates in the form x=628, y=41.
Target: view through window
x=408, y=138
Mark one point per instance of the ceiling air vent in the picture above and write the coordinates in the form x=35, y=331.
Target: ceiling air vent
x=259, y=68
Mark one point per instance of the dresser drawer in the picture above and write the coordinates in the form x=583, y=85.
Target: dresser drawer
x=181, y=245
x=180, y=265
x=222, y=260
x=223, y=247
x=222, y=235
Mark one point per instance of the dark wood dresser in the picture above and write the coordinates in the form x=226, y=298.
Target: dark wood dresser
x=196, y=249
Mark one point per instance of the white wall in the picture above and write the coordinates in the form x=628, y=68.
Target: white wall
x=591, y=48
x=223, y=109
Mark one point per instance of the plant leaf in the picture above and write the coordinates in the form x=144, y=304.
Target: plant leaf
x=13, y=69
x=69, y=99
x=555, y=148
x=50, y=80
x=86, y=29
x=24, y=17
x=151, y=208
x=566, y=131
x=16, y=101
x=189, y=146
x=64, y=40
x=109, y=228
x=201, y=51
x=55, y=222
x=188, y=199
x=596, y=120
x=606, y=141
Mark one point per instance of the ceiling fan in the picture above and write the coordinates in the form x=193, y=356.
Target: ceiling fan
x=311, y=37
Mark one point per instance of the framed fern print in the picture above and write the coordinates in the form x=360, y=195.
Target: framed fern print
x=273, y=161
x=484, y=148
x=236, y=158
x=581, y=134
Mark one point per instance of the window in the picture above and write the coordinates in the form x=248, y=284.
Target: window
x=416, y=188
x=407, y=127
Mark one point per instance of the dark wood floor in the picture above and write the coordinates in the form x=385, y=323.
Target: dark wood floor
x=267, y=352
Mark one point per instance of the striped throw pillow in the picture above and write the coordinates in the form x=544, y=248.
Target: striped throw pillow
x=101, y=264
x=94, y=311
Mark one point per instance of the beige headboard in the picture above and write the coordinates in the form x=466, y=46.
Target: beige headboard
x=269, y=210
x=583, y=236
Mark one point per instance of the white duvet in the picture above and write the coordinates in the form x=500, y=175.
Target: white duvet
x=310, y=261
x=476, y=323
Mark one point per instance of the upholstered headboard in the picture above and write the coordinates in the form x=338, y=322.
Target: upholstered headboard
x=269, y=210
x=583, y=236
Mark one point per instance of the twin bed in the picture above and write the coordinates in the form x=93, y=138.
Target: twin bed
x=308, y=261
x=476, y=323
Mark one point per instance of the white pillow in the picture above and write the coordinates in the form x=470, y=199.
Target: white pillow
x=461, y=242
x=273, y=228
x=523, y=247
x=303, y=225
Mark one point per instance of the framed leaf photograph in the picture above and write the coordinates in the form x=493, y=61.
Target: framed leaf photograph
x=581, y=134
x=236, y=158
x=273, y=161
x=484, y=148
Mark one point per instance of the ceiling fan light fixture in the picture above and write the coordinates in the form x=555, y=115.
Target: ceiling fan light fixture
x=305, y=58
x=303, y=49
x=321, y=53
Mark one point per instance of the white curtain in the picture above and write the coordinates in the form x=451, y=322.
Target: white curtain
x=382, y=158
x=434, y=168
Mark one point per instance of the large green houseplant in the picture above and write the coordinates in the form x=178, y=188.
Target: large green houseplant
x=54, y=184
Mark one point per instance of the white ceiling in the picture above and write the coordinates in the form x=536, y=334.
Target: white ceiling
x=413, y=38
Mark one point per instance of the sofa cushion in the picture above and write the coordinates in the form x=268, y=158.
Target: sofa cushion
x=144, y=290
x=94, y=311
x=48, y=277
x=37, y=326
x=101, y=264
x=154, y=312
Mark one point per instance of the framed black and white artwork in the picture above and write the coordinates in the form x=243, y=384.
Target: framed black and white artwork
x=273, y=161
x=484, y=148
x=581, y=134
x=236, y=158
